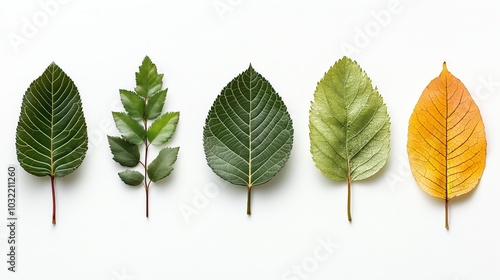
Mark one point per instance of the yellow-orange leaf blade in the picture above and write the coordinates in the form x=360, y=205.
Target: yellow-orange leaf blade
x=446, y=139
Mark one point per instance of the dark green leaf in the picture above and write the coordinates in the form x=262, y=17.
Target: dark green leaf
x=155, y=104
x=162, y=129
x=131, y=177
x=124, y=152
x=51, y=136
x=147, y=79
x=161, y=167
x=133, y=104
x=248, y=133
x=130, y=129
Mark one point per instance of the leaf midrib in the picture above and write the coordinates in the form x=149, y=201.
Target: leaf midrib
x=347, y=124
x=52, y=171
x=250, y=131
x=446, y=137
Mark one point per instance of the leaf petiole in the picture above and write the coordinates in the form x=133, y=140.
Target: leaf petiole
x=249, y=201
x=53, y=200
x=446, y=214
x=349, y=200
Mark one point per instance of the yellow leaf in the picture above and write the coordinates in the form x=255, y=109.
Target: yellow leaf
x=446, y=140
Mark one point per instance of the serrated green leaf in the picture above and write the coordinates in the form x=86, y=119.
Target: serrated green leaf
x=144, y=105
x=147, y=79
x=131, y=177
x=51, y=136
x=155, y=104
x=130, y=129
x=162, y=165
x=163, y=128
x=349, y=125
x=133, y=104
x=124, y=152
x=248, y=132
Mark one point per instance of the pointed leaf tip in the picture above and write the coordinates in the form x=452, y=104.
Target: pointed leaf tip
x=148, y=81
x=250, y=68
x=445, y=69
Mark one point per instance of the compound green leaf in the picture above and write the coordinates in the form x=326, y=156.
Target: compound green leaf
x=130, y=129
x=131, y=177
x=147, y=79
x=349, y=125
x=163, y=128
x=142, y=106
x=51, y=136
x=248, y=132
x=162, y=165
x=124, y=152
x=133, y=104
x=155, y=104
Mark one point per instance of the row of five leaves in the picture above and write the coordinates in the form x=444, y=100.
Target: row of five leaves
x=248, y=133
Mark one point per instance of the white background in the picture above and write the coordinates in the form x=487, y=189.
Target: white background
x=397, y=230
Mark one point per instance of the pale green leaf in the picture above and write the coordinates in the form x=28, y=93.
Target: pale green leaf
x=133, y=104
x=248, y=133
x=124, y=152
x=163, y=128
x=155, y=104
x=349, y=125
x=147, y=79
x=130, y=129
x=162, y=165
x=131, y=177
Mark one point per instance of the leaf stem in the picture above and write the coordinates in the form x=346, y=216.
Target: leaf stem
x=146, y=185
x=53, y=200
x=349, y=198
x=446, y=214
x=147, y=202
x=249, y=200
